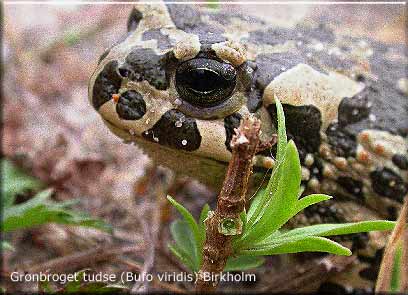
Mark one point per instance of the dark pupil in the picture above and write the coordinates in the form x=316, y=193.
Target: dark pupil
x=203, y=80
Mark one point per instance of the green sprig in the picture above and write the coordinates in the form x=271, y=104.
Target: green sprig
x=269, y=211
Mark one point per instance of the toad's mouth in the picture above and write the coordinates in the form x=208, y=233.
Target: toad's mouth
x=129, y=137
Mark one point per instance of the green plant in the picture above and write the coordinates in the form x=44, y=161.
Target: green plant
x=39, y=209
x=271, y=209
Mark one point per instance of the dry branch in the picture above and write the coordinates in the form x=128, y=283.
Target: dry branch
x=225, y=222
x=81, y=260
x=399, y=237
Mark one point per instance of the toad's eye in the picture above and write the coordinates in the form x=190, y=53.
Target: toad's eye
x=205, y=82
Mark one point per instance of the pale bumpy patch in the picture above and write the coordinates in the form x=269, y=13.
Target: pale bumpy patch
x=352, y=176
x=302, y=85
x=230, y=51
x=187, y=48
x=155, y=17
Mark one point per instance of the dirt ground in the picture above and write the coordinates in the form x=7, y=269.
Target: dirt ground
x=51, y=130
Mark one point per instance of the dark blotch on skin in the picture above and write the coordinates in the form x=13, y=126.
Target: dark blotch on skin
x=388, y=184
x=107, y=83
x=359, y=241
x=275, y=36
x=400, y=161
x=231, y=122
x=131, y=106
x=351, y=185
x=271, y=65
x=372, y=271
x=360, y=78
x=331, y=212
x=169, y=135
x=134, y=19
x=272, y=36
x=389, y=105
x=184, y=16
x=254, y=101
x=254, y=94
x=302, y=125
x=188, y=19
x=343, y=143
x=145, y=64
x=392, y=212
x=163, y=41
x=354, y=109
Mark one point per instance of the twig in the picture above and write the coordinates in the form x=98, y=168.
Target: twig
x=225, y=221
x=151, y=230
x=141, y=286
x=80, y=260
x=399, y=236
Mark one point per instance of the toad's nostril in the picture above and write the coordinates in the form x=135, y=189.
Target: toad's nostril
x=106, y=84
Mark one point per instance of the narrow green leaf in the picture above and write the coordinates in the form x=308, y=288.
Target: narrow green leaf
x=13, y=182
x=182, y=257
x=201, y=224
x=262, y=199
x=309, y=200
x=282, y=139
x=243, y=263
x=321, y=230
x=260, y=206
x=39, y=210
x=255, y=203
x=191, y=223
x=308, y=244
x=244, y=218
x=339, y=229
x=280, y=207
x=184, y=239
x=17, y=210
x=187, y=216
x=267, y=240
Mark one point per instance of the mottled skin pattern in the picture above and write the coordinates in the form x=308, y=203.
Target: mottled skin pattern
x=344, y=98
